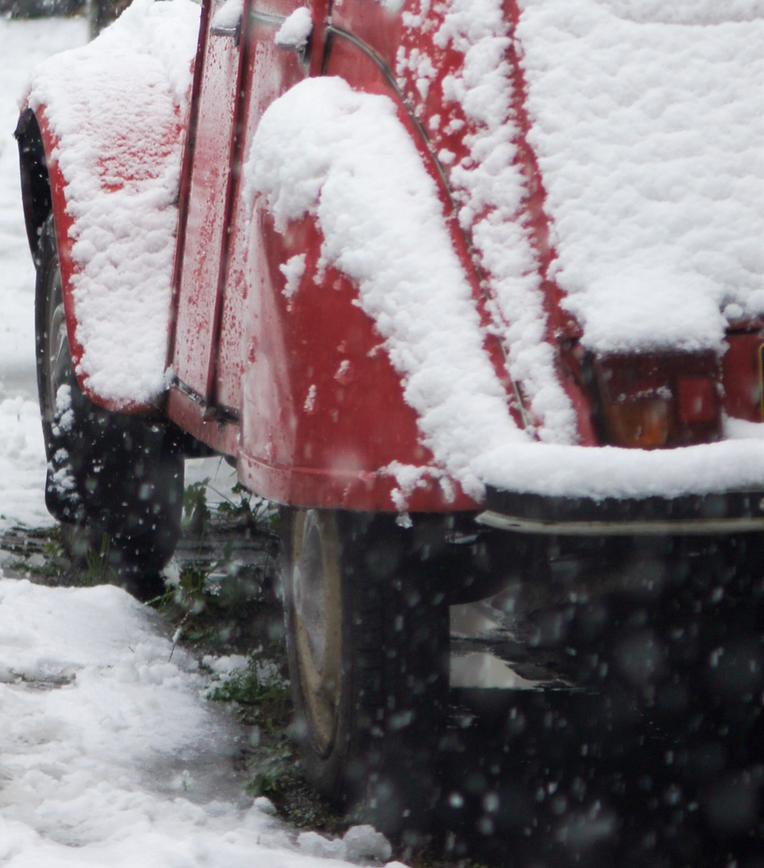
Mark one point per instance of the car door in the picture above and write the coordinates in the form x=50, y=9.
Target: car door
x=208, y=200
x=269, y=70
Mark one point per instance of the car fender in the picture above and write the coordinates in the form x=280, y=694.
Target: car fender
x=101, y=140
x=326, y=404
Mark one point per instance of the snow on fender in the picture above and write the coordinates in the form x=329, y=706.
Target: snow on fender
x=324, y=149
x=115, y=110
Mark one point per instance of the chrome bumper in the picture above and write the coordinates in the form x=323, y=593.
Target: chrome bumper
x=692, y=515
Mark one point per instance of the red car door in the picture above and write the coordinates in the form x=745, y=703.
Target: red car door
x=206, y=208
x=243, y=71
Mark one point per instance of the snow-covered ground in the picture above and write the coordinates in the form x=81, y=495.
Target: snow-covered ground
x=109, y=752
x=110, y=755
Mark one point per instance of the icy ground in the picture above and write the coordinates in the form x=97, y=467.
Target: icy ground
x=109, y=752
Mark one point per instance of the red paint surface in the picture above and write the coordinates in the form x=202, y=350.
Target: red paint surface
x=206, y=215
x=742, y=377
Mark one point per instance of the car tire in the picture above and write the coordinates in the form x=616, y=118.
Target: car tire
x=367, y=643
x=115, y=481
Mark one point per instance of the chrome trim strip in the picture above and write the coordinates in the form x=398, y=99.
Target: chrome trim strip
x=682, y=527
x=266, y=18
x=212, y=413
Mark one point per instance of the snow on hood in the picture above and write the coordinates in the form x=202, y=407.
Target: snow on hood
x=115, y=106
x=383, y=225
x=648, y=127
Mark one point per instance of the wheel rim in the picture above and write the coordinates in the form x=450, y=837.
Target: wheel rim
x=317, y=611
x=56, y=354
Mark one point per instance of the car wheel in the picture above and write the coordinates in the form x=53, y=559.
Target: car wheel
x=115, y=481
x=367, y=642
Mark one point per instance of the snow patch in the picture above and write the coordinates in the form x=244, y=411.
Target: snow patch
x=293, y=270
x=106, y=738
x=310, y=399
x=649, y=137
x=22, y=465
x=410, y=477
x=392, y=5
x=295, y=31
x=700, y=12
x=228, y=16
x=225, y=666
x=490, y=188
x=608, y=471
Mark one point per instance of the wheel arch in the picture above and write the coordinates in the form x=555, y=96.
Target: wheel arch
x=42, y=192
x=35, y=180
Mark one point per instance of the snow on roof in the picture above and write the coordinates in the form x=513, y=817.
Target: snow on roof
x=648, y=127
x=115, y=105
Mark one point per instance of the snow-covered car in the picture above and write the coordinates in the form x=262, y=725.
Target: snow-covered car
x=473, y=289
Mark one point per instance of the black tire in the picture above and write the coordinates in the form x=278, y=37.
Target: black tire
x=367, y=642
x=115, y=481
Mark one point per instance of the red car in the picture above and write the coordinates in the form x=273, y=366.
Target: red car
x=468, y=288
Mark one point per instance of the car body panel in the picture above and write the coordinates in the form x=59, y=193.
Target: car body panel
x=207, y=210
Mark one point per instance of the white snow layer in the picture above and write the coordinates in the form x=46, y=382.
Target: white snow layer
x=114, y=106
x=22, y=453
x=22, y=465
x=648, y=126
x=344, y=156
x=296, y=30
x=228, y=16
x=110, y=754
x=23, y=44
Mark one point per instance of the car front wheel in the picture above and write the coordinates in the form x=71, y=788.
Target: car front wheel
x=114, y=481
x=367, y=641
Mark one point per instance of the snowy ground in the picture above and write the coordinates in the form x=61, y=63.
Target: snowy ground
x=109, y=752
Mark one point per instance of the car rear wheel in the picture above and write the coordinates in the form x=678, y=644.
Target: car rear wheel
x=114, y=481
x=367, y=641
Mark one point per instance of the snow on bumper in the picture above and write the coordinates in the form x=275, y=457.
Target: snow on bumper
x=710, y=488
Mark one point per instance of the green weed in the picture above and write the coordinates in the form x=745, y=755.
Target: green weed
x=266, y=695
x=248, y=510
x=196, y=512
x=98, y=570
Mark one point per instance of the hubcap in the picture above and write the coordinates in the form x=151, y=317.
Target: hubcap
x=56, y=356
